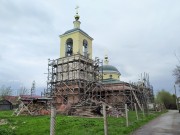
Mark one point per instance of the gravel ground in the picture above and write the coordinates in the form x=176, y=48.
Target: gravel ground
x=166, y=124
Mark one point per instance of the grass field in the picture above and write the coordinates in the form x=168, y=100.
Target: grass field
x=68, y=125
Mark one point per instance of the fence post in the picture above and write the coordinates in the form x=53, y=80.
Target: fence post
x=136, y=111
x=126, y=111
x=105, y=120
x=143, y=110
x=53, y=120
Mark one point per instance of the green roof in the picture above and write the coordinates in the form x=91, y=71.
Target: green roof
x=108, y=68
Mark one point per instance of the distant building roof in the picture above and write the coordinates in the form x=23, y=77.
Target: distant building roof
x=4, y=101
x=12, y=99
x=29, y=96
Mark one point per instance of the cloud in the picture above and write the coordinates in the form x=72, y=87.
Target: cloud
x=140, y=36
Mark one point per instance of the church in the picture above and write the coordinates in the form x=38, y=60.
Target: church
x=75, y=80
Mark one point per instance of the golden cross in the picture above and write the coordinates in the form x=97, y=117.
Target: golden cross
x=77, y=7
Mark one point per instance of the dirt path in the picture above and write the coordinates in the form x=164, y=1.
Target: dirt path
x=166, y=124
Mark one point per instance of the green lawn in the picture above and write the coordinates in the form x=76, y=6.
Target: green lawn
x=68, y=125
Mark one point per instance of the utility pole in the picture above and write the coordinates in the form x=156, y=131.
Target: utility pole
x=176, y=97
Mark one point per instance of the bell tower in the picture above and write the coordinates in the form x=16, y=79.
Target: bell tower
x=76, y=41
x=75, y=76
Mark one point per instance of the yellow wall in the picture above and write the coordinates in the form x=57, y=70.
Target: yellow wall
x=77, y=38
x=114, y=76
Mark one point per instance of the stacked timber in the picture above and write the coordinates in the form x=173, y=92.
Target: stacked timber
x=88, y=108
x=87, y=111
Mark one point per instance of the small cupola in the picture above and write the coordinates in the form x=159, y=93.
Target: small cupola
x=110, y=73
x=77, y=22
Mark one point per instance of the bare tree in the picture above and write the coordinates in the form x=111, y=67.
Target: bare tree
x=23, y=91
x=5, y=91
x=176, y=71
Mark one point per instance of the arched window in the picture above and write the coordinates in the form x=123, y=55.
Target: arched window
x=69, y=47
x=85, y=48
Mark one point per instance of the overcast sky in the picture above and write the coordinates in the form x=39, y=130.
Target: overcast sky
x=138, y=35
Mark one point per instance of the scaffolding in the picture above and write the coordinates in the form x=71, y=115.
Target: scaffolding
x=75, y=80
x=119, y=94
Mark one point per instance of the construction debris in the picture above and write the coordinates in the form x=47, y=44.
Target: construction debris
x=3, y=122
x=33, y=106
